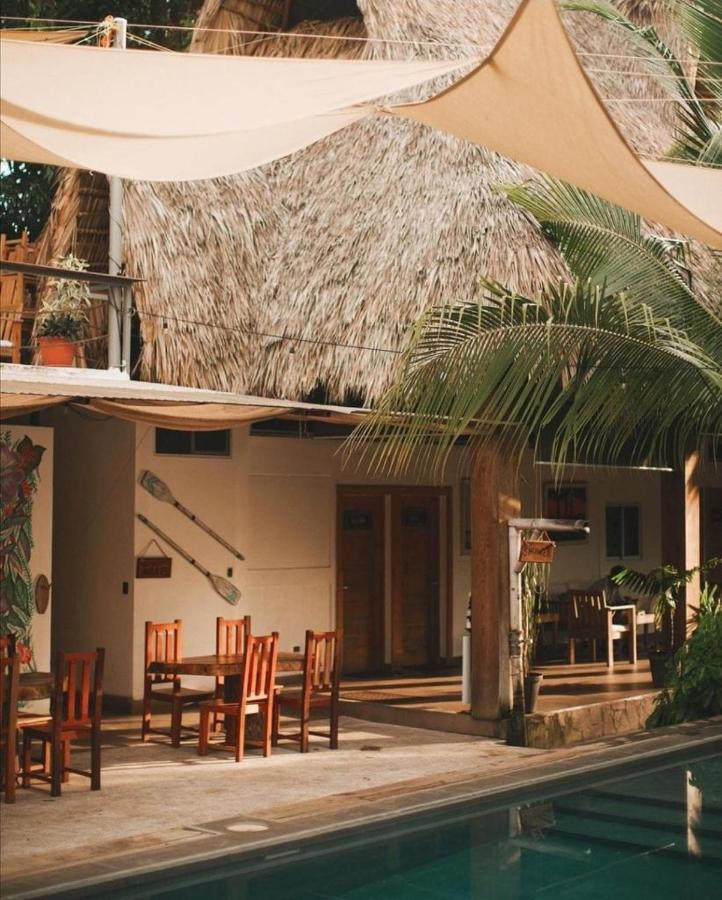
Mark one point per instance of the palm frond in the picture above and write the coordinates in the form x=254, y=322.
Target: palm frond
x=604, y=244
x=603, y=373
x=699, y=119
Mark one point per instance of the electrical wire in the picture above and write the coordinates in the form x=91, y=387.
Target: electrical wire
x=331, y=37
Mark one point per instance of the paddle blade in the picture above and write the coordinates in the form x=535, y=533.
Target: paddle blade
x=159, y=489
x=225, y=589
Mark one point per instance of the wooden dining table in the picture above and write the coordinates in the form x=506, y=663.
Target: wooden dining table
x=230, y=668
x=35, y=686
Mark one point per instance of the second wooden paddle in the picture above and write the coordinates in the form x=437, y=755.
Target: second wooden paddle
x=223, y=588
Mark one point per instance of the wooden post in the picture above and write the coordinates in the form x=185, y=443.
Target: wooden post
x=681, y=537
x=493, y=503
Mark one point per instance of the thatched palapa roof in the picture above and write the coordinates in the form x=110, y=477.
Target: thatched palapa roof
x=348, y=241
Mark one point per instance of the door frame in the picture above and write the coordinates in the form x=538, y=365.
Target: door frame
x=383, y=490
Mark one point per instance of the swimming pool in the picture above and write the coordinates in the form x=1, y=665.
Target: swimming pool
x=658, y=835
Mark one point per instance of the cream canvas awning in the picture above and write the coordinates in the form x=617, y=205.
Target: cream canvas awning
x=207, y=116
x=186, y=416
x=12, y=405
x=27, y=389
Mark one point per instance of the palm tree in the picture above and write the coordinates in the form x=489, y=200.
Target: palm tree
x=623, y=361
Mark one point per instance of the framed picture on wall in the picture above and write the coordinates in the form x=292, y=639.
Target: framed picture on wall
x=465, y=516
x=566, y=501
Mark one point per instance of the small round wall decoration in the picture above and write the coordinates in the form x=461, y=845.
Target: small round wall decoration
x=42, y=594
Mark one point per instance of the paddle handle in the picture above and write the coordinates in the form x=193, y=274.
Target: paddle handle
x=207, y=528
x=171, y=543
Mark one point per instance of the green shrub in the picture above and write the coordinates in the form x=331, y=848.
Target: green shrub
x=694, y=686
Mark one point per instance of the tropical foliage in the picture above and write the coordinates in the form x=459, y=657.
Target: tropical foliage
x=665, y=584
x=19, y=463
x=699, y=131
x=694, y=686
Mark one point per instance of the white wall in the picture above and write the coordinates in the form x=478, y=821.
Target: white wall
x=275, y=499
x=40, y=561
x=93, y=541
x=580, y=564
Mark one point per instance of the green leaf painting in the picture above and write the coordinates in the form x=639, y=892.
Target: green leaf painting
x=19, y=477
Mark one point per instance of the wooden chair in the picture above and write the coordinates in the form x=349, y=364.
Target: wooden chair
x=231, y=637
x=12, y=295
x=75, y=714
x=321, y=682
x=9, y=683
x=163, y=643
x=256, y=696
x=589, y=618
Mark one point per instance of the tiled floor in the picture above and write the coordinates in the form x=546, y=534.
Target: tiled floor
x=564, y=686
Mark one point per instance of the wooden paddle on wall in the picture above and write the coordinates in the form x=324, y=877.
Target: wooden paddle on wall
x=223, y=588
x=160, y=490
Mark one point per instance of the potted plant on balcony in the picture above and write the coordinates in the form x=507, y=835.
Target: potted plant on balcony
x=63, y=316
x=665, y=585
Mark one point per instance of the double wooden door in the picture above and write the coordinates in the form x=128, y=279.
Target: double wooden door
x=389, y=566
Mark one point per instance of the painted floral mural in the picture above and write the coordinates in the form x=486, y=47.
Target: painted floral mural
x=19, y=476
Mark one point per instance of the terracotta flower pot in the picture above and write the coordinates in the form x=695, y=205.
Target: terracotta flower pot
x=56, y=351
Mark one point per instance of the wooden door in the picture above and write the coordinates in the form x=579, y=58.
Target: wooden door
x=415, y=579
x=360, y=606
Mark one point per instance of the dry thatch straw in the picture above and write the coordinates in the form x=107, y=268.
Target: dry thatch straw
x=349, y=240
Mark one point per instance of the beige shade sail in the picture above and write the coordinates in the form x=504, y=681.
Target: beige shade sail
x=531, y=100
x=182, y=117
x=187, y=158
x=12, y=405
x=186, y=416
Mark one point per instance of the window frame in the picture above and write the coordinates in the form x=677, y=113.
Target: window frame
x=192, y=453
x=623, y=506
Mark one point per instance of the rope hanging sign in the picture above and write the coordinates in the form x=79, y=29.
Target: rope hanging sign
x=153, y=566
x=537, y=549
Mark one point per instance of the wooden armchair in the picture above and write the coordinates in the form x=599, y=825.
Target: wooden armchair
x=9, y=681
x=163, y=644
x=321, y=683
x=257, y=695
x=589, y=618
x=75, y=714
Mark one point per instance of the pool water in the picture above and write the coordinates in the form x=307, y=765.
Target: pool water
x=656, y=836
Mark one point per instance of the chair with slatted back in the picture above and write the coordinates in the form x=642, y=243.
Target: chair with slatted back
x=230, y=641
x=163, y=643
x=9, y=682
x=256, y=697
x=321, y=682
x=590, y=619
x=75, y=714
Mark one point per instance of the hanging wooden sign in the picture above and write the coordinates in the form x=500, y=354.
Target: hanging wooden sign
x=537, y=549
x=153, y=566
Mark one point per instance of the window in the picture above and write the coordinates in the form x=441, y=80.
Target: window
x=623, y=532
x=192, y=443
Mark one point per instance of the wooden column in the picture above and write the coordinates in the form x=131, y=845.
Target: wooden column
x=493, y=502
x=681, y=537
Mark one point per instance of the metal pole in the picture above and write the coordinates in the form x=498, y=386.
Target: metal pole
x=517, y=722
x=119, y=302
